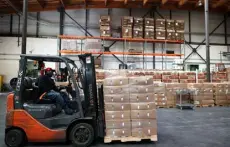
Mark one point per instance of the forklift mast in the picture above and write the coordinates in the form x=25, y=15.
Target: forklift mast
x=89, y=85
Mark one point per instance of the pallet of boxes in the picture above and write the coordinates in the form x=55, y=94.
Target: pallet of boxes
x=105, y=29
x=221, y=94
x=130, y=111
x=127, y=27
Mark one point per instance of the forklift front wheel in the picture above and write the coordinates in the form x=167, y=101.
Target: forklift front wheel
x=14, y=138
x=82, y=135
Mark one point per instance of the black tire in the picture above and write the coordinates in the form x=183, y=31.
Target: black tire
x=81, y=135
x=14, y=138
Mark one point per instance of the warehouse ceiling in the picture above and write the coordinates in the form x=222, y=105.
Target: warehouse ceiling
x=15, y=6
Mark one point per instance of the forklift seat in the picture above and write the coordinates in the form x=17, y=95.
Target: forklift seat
x=41, y=110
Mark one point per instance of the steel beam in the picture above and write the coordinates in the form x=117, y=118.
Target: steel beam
x=170, y=14
x=11, y=24
x=86, y=21
x=24, y=31
x=38, y=24
x=78, y=24
x=19, y=27
x=206, y=7
x=61, y=27
x=225, y=29
x=158, y=13
x=189, y=26
x=154, y=45
x=18, y=12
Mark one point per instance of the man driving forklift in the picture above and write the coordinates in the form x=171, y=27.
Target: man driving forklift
x=48, y=90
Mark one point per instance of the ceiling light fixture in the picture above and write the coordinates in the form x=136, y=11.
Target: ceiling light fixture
x=200, y=3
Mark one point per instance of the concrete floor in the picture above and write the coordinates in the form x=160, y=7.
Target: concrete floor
x=203, y=127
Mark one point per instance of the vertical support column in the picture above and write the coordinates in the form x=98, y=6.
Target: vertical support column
x=24, y=32
x=86, y=21
x=207, y=39
x=154, y=45
x=11, y=24
x=225, y=29
x=170, y=14
x=38, y=24
x=61, y=27
x=19, y=27
x=189, y=26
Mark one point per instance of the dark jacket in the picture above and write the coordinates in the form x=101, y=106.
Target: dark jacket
x=45, y=84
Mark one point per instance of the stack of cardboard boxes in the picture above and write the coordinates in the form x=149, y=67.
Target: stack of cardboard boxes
x=219, y=77
x=127, y=25
x=160, y=29
x=149, y=28
x=170, y=29
x=228, y=73
x=187, y=77
x=201, y=77
x=221, y=92
x=143, y=108
x=117, y=107
x=138, y=27
x=105, y=29
x=170, y=77
x=179, y=27
x=130, y=110
x=159, y=91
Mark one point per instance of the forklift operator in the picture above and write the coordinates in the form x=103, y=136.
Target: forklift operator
x=47, y=87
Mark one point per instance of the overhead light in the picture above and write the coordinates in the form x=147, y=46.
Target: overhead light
x=200, y=3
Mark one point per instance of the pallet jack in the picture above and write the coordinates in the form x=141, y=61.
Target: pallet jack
x=32, y=119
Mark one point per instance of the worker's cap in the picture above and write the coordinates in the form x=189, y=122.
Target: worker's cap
x=48, y=69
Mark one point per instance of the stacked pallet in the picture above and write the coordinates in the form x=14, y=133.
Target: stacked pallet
x=127, y=26
x=149, y=28
x=160, y=29
x=187, y=77
x=105, y=29
x=221, y=91
x=207, y=95
x=201, y=77
x=117, y=108
x=170, y=77
x=138, y=27
x=219, y=77
x=143, y=108
x=179, y=28
x=130, y=111
x=159, y=94
x=170, y=29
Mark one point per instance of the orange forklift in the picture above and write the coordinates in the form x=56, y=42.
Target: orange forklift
x=32, y=118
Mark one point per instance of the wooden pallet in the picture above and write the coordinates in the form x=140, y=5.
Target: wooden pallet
x=130, y=139
x=161, y=107
x=171, y=106
x=212, y=105
x=222, y=105
x=199, y=106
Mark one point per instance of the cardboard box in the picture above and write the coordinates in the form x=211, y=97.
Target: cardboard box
x=141, y=89
x=160, y=24
x=117, y=106
x=161, y=103
x=170, y=35
x=105, y=31
x=116, y=98
x=127, y=32
x=115, y=73
x=207, y=102
x=114, y=115
x=116, y=90
x=118, y=124
x=179, y=35
x=138, y=21
x=170, y=24
x=221, y=97
x=171, y=102
x=127, y=21
x=116, y=81
x=105, y=20
x=179, y=25
x=220, y=92
x=222, y=102
x=138, y=32
x=145, y=97
x=160, y=34
x=114, y=133
x=149, y=23
x=143, y=80
x=143, y=106
x=144, y=132
x=159, y=87
x=141, y=123
x=143, y=114
x=149, y=33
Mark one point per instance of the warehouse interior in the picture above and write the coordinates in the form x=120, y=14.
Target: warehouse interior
x=177, y=51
